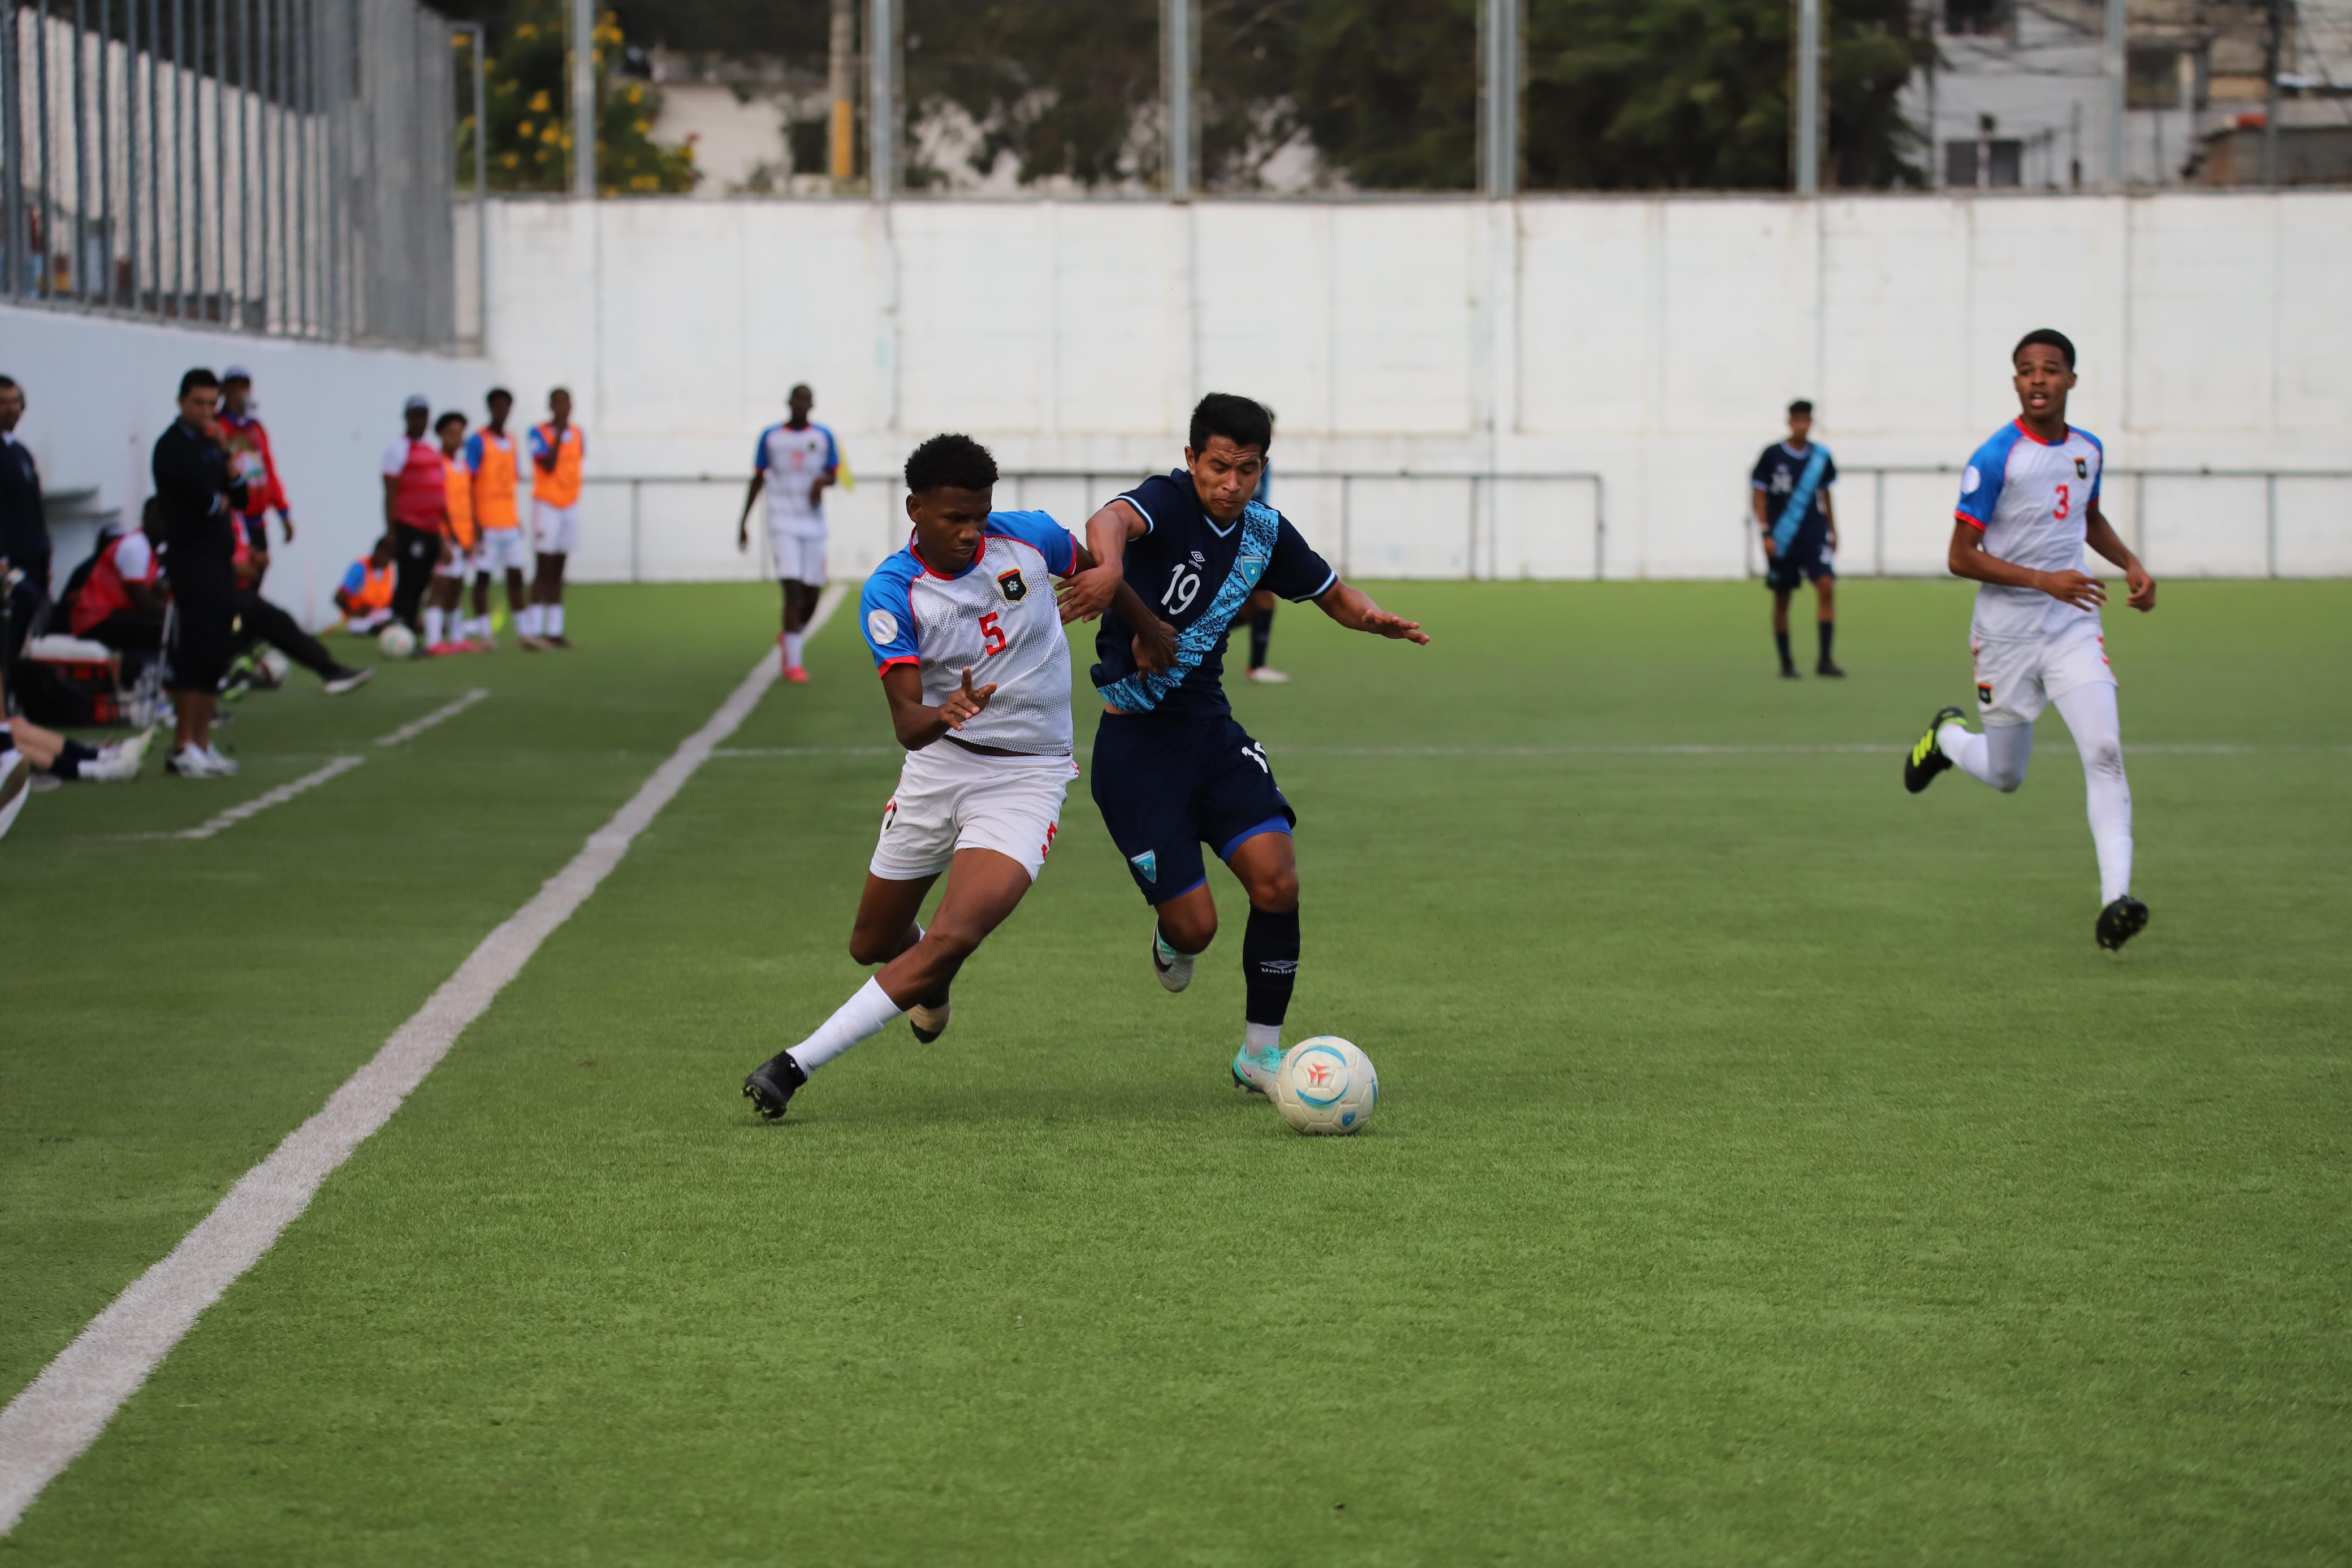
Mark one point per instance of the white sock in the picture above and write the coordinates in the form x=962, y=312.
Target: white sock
x=862, y=1017
x=2090, y=715
x=1997, y=758
x=792, y=640
x=479, y=626
x=432, y=626
x=527, y=621
x=1257, y=1037
x=555, y=619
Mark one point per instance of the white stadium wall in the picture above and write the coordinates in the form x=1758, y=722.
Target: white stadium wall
x=1647, y=344
x=100, y=390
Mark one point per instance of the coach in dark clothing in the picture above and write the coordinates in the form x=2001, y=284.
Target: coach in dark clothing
x=23, y=526
x=199, y=502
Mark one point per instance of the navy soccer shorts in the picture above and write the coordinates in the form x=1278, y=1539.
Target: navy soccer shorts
x=1166, y=786
x=1795, y=565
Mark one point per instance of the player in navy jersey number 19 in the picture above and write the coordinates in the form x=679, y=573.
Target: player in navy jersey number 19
x=967, y=634
x=2029, y=505
x=1172, y=769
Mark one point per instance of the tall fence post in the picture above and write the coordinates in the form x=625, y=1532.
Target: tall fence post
x=2112, y=64
x=1176, y=59
x=882, y=99
x=1807, y=153
x=1499, y=85
x=582, y=16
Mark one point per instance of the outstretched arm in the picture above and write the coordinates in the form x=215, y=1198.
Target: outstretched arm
x=1155, y=639
x=2101, y=535
x=1346, y=604
x=1086, y=594
x=1968, y=558
x=751, y=496
x=920, y=725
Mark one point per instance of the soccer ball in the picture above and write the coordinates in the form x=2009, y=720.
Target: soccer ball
x=270, y=669
x=396, y=641
x=1326, y=1085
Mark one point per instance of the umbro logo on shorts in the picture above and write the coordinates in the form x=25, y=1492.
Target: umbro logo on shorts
x=1013, y=585
x=1984, y=692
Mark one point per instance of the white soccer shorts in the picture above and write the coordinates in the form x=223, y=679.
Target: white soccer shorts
x=555, y=530
x=2015, y=680
x=799, y=558
x=950, y=799
x=502, y=550
x=456, y=564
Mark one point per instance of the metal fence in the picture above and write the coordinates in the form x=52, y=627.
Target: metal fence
x=2196, y=522
x=272, y=166
x=1368, y=523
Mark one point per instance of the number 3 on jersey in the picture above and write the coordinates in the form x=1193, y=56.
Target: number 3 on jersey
x=2064, y=505
x=993, y=636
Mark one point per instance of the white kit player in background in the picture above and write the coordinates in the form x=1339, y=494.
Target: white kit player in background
x=965, y=626
x=2029, y=505
x=794, y=463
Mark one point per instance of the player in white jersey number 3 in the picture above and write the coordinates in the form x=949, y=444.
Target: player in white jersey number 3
x=987, y=765
x=2029, y=505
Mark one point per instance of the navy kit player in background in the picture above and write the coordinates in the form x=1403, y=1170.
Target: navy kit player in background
x=1792, y=489
x=987, y=765
x=2029, y=505
x=1173, y=770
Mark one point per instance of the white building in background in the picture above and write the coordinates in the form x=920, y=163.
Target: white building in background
x=2019, y=99
x=757, y=125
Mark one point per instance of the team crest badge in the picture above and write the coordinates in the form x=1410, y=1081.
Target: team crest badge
x=1984, y=692
x=1148, y=863
x=2081, y=467
x=1013, y=586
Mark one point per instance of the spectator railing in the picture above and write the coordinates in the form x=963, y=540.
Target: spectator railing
x=2197, y=522
x=1368, y=522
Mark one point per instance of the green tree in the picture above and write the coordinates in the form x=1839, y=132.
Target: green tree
x=530, y=140
x=1067, y=91
x=1694, y=94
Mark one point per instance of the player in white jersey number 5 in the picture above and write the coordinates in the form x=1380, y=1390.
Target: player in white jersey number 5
x=2029, y=505
x=966, y=630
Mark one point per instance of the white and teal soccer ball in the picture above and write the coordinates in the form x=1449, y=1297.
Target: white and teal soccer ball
x=270, y=669
x=1327, y=1087
x=396, y=641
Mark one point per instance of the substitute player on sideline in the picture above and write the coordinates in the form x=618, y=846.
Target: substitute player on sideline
x=795, y=462
x=2029, y=505
x=444, y=611
x=557, y=449
x=1791, y=486
x=1172, y=769
x=491, y=458
x=988, y=761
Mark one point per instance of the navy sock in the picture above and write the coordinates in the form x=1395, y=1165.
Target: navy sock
x=1780, y=641
x=70, y=760
x=1828, y=630
x=1269, y=964
x=1261, y=634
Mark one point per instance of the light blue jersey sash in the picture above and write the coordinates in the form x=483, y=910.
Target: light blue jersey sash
x=1801, y=499
x=1141, y=693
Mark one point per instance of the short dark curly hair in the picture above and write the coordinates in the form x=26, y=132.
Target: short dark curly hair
x=2049, y=337
x=952, y=462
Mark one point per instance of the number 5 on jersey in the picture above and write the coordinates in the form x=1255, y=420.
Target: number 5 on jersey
x=992, y=635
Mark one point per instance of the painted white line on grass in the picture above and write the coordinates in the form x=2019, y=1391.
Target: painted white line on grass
x=416, y=728
x=62, y=1412
x=1857, y=749
x=262, y=802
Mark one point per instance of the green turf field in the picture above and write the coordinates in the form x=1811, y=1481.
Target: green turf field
x=1768, y=1167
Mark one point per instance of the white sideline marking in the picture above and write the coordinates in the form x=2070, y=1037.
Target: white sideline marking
x=262, y=802
x=1858, y=748
x=64, y=1409
x=416, y=728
